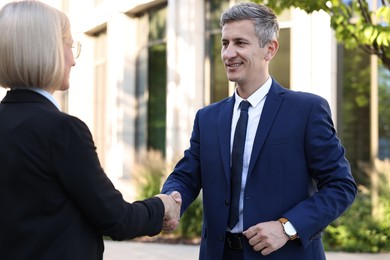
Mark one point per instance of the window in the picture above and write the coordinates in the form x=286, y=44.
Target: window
x=279, y=67
x=354, y=99
x=152, y=80
x=384, y=113
x=217, y=87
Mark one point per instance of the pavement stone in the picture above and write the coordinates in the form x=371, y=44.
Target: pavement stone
x=128, y=250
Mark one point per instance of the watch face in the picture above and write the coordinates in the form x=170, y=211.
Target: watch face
x=289, y=229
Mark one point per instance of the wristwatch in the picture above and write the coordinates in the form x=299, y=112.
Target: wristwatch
x=288, y=228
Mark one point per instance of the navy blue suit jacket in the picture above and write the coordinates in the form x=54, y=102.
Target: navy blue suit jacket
x=55, y=200
x=297, y=170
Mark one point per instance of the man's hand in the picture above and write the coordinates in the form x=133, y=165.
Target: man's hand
x=266, y=237
x=172, y=205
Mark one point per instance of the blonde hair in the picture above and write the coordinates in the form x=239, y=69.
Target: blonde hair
x=31, y=45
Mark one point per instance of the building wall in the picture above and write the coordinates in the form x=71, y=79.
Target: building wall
x=313, y=56
x=104, y=92
x=185, y=71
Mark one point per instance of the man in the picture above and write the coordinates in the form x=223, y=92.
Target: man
x=294, y=178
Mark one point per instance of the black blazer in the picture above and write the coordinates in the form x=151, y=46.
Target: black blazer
x=56, y=202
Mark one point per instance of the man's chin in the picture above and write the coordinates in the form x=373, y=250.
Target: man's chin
x=232, y=78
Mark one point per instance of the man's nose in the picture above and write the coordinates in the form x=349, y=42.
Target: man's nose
x=229, y=52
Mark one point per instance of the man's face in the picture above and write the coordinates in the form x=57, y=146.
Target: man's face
x=242, y=55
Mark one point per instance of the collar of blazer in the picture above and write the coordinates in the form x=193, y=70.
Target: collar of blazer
x=26, y=96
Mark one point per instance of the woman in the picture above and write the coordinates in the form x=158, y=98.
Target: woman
x=55, y=200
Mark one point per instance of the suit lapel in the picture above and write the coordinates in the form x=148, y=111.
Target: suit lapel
x=224, y=129
x=271, y=107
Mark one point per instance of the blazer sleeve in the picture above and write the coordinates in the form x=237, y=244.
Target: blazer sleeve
x=77, y=167
x=331, y=173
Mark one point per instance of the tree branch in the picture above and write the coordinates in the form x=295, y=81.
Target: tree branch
x=365, y=14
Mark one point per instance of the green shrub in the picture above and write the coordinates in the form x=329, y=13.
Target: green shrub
x=357, y=230
x=150, y=173
x=191, y=222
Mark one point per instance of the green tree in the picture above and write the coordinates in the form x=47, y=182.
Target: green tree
x=356, y=22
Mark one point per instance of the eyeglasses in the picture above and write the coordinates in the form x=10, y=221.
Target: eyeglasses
x=76, y=49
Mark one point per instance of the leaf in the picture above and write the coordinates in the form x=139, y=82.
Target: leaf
x=370, y=34
x=383, y=14
x=384, y=39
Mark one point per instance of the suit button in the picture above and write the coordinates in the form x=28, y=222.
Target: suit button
x=227, y=202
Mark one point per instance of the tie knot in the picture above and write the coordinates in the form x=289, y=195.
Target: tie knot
x=244, y=105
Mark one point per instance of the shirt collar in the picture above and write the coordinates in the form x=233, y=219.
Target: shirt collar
x=257, y=96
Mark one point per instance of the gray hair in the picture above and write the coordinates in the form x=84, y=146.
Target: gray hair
x=31, y=45
x=264, y=20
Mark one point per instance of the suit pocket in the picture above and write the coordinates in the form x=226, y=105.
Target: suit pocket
x=281, y=140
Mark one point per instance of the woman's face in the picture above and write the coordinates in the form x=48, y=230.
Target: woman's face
x=69, y=63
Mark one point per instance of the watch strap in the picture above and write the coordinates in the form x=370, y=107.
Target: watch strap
x=283, y=221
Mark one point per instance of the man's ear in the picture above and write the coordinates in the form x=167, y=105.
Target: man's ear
x=271, y=48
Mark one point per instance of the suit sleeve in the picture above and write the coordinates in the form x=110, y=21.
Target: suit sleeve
x=330, y=171
x=77, y=167
x=186, y=177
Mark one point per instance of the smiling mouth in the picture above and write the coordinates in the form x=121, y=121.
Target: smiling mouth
x=233, y=65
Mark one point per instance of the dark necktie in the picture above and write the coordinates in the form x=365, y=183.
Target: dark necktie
x=237, y=163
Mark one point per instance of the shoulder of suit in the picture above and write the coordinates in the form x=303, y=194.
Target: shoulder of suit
x=302, y=95
x=218, y=104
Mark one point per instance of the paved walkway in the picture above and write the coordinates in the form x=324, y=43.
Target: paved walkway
x=156, y=251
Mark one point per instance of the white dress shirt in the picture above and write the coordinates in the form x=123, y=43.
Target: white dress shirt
x=256, y=100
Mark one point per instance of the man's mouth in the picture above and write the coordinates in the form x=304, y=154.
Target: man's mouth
x=232, y=65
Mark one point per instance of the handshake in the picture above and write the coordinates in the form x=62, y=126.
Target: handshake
x=172, y=205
